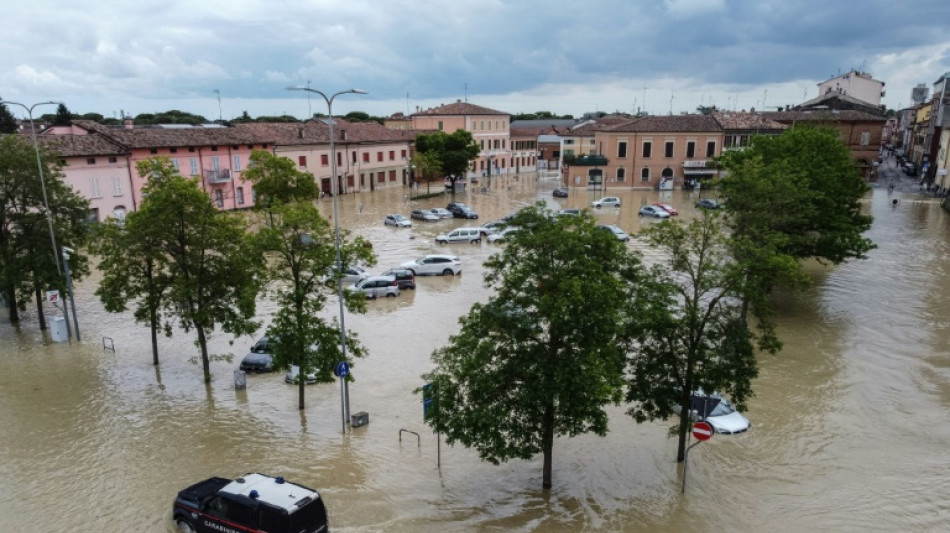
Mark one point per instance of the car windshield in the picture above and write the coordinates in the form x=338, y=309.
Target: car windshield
x=723, y=408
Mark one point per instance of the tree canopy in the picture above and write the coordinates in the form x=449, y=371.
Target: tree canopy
x=545, y=355
x=7, y=120
x=454, y=151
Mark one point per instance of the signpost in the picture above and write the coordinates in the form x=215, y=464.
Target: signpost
x=341, y=370
x=702, y=431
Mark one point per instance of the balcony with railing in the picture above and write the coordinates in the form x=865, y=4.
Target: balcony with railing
x=218, y=176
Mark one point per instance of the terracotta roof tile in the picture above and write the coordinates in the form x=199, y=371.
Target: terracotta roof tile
x=824, y=116
x=744, y=120
x=668, y=123
x=458, y=108
x=81, y=145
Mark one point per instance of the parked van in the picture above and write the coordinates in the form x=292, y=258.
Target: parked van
x=472, y=235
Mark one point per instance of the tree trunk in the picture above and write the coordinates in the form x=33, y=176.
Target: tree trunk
x=547, y=444
x=205, y=361
x=11, y=303
x=300, y=386
x=40, y=315
x=153, y=322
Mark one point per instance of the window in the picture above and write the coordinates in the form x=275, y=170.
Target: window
x=622, y=149
x=94, y=186
x=691, y=149
x=216, y=163
x=711, y=149
x=237, y=163
x=645, y=174
x=379, y=155
x=621, y=174
x=112, y=159
x=191, y=148
x=173, y=150
x=865, y=138
x=647, y=149
x=568, y=141
x=380, y=177
x=175, y=164
x=482, y=144
x=392, y=155
x=366, y=157
x=153, y=151
x=116, y=186
x=324, y=159
x=339, y=158
x=302, y=160
x=194, y=165
x=90, y=160
x=240, y=195
x=219, y=197
x=668, y=151
x=440, y=125
x=353, y=158
x=392, y=175
x=403, y=155
x=214, y=148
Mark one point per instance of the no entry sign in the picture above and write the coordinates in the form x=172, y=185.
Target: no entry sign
x=702, y=430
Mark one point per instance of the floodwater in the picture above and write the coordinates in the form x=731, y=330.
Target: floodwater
x=850, y=431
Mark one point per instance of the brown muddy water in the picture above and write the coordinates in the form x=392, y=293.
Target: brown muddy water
x=850, y=427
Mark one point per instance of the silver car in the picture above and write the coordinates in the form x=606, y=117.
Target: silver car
x=606, y=201
x=426, y=215
x=435, y=264
x=616, y=231
x=442, y=212
x=397, y=220
x=375, y=286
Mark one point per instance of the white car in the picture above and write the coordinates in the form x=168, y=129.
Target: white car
x=469, y=235
x=397, y=220
x=719, y=412
x=606, y=201
x=616, y=231
x=501, y=235
x=441, y=212
x=375, y=286
x=435, y=264
x=653, y=212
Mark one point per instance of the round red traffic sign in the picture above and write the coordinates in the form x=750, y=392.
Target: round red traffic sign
x=702, y=430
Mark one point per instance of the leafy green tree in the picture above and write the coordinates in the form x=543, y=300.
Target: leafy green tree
x=214, y=271
x=300, y=246
x=63, y=116
x=427, y=166
x=696, y=338
x=132, y=266
x=803, y=188
x=546, y=354
x=28, y=265
x=454, y=151
x=172, y=116
x=277, y=180
x=7, y=120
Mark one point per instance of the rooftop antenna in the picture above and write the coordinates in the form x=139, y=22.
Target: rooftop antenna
x=407, y=104
x=644, y=99
x=671, y=102
x=219, y=104
x=466, y=93
x=309, y=110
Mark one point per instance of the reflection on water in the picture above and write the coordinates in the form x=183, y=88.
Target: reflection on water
x=846, y=419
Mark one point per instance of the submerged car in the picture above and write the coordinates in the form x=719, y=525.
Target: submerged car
x=502, y=235
x=708, y=203
x=616, y=231
x=560, y=192
x=441, y=212
x=425, y=215
x=435, y=264
x=259, y=359
x=718, y=412
x=253, y=502
x=460, y=210
x=375, y=286
x=397, y=220
x=653, y=212
x=606, y=201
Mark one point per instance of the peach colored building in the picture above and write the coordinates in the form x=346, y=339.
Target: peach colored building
x=489, y=128
x=650, y=152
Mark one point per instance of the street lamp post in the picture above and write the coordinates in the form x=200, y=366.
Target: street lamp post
x=334, y=187
x=39, y=167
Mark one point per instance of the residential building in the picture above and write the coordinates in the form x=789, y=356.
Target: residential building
x=859, y=130
x=489, y=128
x=855, y=84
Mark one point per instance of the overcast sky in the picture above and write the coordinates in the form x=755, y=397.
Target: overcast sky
x=517, y=56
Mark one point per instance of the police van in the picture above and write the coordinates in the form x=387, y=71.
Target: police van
x=254, y=502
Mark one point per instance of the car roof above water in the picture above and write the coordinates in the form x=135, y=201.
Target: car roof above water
x=273, y=491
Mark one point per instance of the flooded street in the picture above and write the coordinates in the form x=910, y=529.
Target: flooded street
x=849, y=420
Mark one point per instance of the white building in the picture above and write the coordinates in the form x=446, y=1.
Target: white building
x=855, y=84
